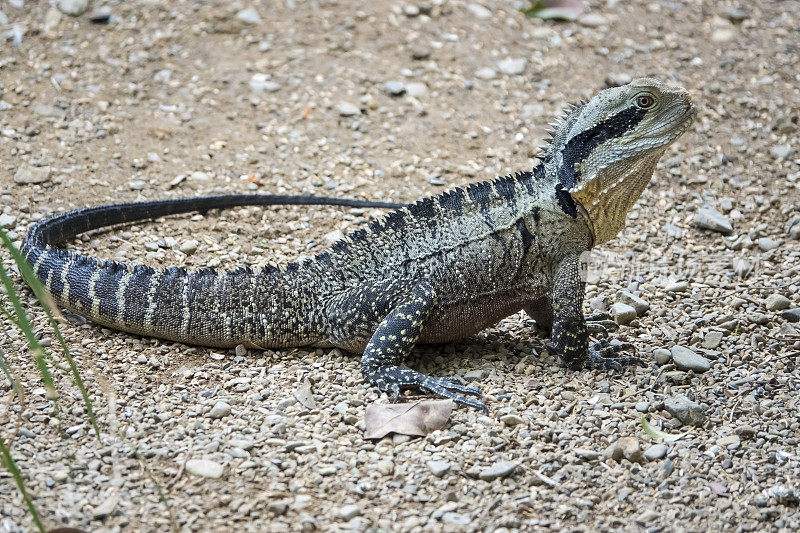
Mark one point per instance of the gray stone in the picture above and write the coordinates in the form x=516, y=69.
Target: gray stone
x=478, y=11
x=662, y=356
x=27, y=174
x=587, y=455
x=189, y=247
x=765, y=244
x=689, y=412
x=709, y=218
x=76, y=8
x=240, y=350
x=686, y=359
x=647, y=517
x=249, y=16
x=677, y=286
x=512, y=420
x=781, y=152
x=6, y=221
x=634, y=301
x=498, y=470
x=476, y=375
x=642, y=406
x=416, y=89
x=244, y=444
x=137, y=185
x=486, y=73
x=625, y=447
x=278, y=507
x=712, y=340
x=205, y=468
x=512, y=66
x=410, y=10
x=656, y=451
x=395, y=88
x=220, y=410
x=346, y=109
x=420, y=52
x=348, y=512
x=592, y=20
x=49, y=111
x=439, y=468
x=774, y=302
x=623, y=313
x=791, y=315
x=734, y=15
x=260, y=82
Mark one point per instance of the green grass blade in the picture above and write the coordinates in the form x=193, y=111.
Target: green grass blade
x=11, y=466
x=7, y=372
x=20, y=319
x=47, y=303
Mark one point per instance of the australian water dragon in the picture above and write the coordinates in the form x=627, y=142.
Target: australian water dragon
x=440, y=269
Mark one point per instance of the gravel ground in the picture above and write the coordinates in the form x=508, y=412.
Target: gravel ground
x=393, y=101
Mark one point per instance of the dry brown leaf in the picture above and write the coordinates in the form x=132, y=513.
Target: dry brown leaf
x=304, y=395
x=418, y=418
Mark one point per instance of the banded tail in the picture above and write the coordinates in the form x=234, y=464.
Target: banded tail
x=207, y=307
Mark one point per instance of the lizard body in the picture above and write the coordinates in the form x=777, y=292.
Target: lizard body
x=441, y=269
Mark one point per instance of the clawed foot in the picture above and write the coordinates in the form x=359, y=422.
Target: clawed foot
x=603, y=355
x=392, y=379
x=445, y=386
x=600, y=323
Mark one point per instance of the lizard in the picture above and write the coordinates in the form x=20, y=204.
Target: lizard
x=440, y=269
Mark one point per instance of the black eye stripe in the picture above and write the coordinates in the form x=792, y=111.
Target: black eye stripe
x=579, y=147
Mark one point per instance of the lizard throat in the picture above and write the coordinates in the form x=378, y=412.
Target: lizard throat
x=608, y=197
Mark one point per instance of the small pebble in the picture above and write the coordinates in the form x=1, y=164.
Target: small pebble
x=623, y=313
x=249, y=16
x=512, y=66
x=220, y=410
x=395, y=88
x=485, y=73
x=791, y=315
x=498, y=470
x=656, y=451
x=348, y=512
x=686, y=359
x=189, y=247
x=709, y=218
x=677, y=286
x=662, y=356
x=689, y=412
x=347, y=109
x=75, y=8
x=439, y=468
x=205, y=468
x=774, y=302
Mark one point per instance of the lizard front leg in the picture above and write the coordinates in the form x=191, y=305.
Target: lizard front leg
x=394, y=339
x=570, y=335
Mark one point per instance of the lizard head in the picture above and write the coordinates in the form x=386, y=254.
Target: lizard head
x=604, y=151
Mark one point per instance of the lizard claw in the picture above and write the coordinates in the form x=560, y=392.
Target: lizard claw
x=600, y=323
x=603, y=355
x=446, y=386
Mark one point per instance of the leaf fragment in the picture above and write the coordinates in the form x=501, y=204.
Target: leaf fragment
x=417, y=418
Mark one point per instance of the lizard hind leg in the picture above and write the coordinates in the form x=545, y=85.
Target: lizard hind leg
x=394, y=339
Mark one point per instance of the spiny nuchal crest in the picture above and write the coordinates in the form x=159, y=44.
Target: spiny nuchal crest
x=604, y=151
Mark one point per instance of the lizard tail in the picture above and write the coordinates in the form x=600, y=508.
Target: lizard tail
x=207, y=306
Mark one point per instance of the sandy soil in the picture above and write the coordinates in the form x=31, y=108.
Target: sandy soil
x=182, y=98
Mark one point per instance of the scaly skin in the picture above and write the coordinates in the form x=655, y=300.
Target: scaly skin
x=438, y=270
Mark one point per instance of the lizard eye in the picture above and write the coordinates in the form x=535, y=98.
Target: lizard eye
x=645, y=101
